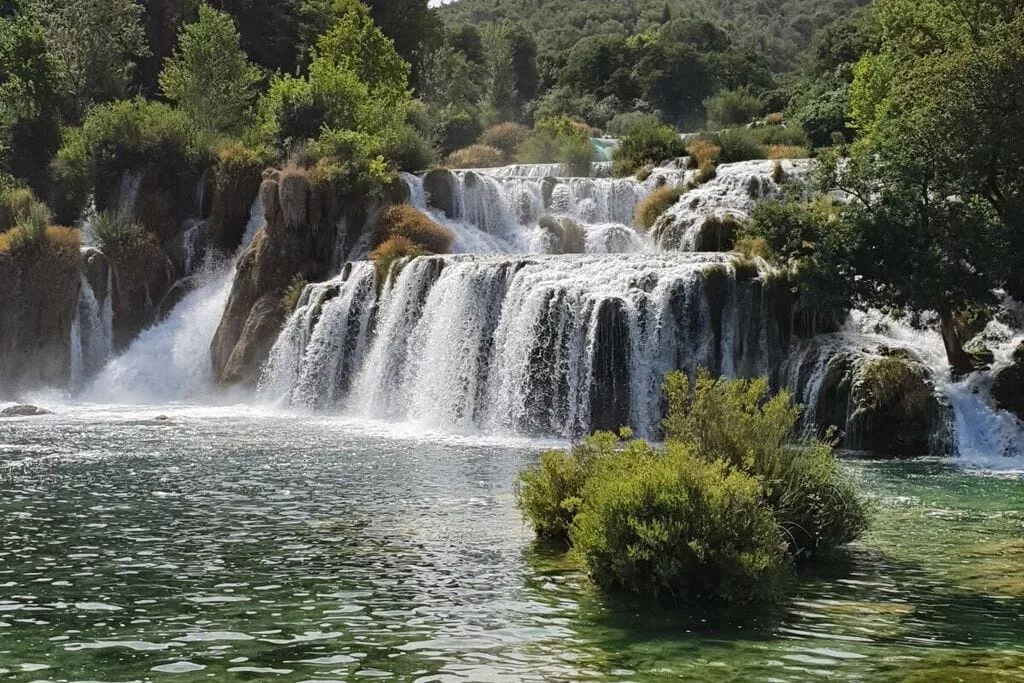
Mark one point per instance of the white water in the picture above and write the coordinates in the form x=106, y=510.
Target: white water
x=551, y=345
x=92, y=331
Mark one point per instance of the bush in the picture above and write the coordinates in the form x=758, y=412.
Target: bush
x=561, y=141
x=475, y=156
x=650, y=208
x=17, y=205
x=622, y=124
x=133, y=251
x=647, y=143
x=720, y=511
x=738, y=145
x=29, y=235
x=738, y=421
x=455, y=129
x=291, y=296
x=731, y=108
x=550, y=493
x=411, y=151
x=506, y=137
x=415, y=226
x=674, y=525
x=393, y=249
x=717, y=233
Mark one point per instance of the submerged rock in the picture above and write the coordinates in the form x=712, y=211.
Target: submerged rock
x=23, y=411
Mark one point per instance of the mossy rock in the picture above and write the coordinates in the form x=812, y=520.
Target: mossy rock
x=439, y=184
x=717, y=233
x=1008, y=385
x=896, y=412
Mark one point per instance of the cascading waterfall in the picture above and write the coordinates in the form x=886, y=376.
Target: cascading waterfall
x=92, y=331
x=543, y=345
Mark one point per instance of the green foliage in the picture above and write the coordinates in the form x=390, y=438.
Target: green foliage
x=94, y=44
x=350, y=162
x=456, y=128
x=475, y=156
x=129, y=135
x=18, y=205
x=411, y=150
x=622, y=124
x=650, y=208
x=133, y=251
x=291, y=296
x=731, y=108
x=675, y=526
x=719, y=512
x=562, y=141
x=209, y=77
x=647, y=143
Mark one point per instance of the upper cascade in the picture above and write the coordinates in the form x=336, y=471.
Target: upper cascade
x=729, y=196
x=538, y=345
x=500, y=210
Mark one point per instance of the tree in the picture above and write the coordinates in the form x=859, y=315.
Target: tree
x=414, y=28
x=209, y=76
x=524, y=66
x=941, y=105
x=272, y=33
x=95, y=44
x=29, y=120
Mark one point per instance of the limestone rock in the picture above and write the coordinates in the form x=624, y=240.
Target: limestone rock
x=23, y=410
x=1008, y=385
x=439, y=184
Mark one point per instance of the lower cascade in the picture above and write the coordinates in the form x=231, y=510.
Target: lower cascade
x=539, y=345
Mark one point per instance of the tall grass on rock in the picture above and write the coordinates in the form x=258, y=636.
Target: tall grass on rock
x=505, y=137
x=402, y=220
x=133, y=251
x=720, y=511
x=648, y=143
x=650, y=208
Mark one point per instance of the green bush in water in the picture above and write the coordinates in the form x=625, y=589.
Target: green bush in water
x=670, y=524
x=721, y=511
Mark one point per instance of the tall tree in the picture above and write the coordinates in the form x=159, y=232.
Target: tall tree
x=209, y=77
x=96, y=45
x=414, y=27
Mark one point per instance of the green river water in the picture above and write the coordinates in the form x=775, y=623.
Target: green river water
x=225, y=544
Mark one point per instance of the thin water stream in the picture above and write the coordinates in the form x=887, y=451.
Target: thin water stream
x=197, y=543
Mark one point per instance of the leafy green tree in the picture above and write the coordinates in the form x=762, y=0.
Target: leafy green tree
x=209, y=77
x=940, y=106
x=96, y=45
x=273, y=33
x=413, y=26
x=29, y=120
x=731, y=108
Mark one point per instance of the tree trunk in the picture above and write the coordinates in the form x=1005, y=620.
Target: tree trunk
x=958, y=358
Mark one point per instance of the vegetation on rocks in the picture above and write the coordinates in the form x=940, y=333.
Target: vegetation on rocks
x=414, y=226
x=653, y=205
x=720, y=511
x=475, y=156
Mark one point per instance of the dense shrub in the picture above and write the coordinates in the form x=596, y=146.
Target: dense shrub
x=737, y=145
x=622, y=124
x=411, y=150
x=133, y=251
x=650, y=208
x=647, y=143
x=475, y=156
x=129, y=135
x=16, y=206
x=731, y=108
x=455, y=129
x=390, y=251
x=415, y=226
x=674, y=525
x=739, y=422
x=720, y=511
x=506, y=137
x=29, y=234
x=560, y=141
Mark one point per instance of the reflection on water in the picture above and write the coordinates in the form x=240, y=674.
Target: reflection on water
x=240, y=546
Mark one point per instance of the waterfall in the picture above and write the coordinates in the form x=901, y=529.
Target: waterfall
x=170, y=361
x=543, y=345
x=92, y=331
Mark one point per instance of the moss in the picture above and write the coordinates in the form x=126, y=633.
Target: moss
x=650, y=208
x=717, y=233
x=896, y=410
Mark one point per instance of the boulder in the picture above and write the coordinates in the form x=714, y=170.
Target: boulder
x=23, y=411
x=1008, y=385
x=256, y=341
x=895, y=411
x=439, y=184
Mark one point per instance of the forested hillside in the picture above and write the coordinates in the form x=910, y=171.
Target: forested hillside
x=781, y=29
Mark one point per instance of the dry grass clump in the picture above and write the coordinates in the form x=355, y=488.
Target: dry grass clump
x=706, y=154
x=650, y=208
x=786, y=152
x=475, y=156
x=774, y=119
x=402, y=220
x=390, y=251
x=133, y=251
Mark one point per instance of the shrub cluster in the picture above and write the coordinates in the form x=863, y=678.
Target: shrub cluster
x=720, y=511
x=390, y=251
x=506, y=137
x=559, y=140
x=647, y=143
x=133, y=251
